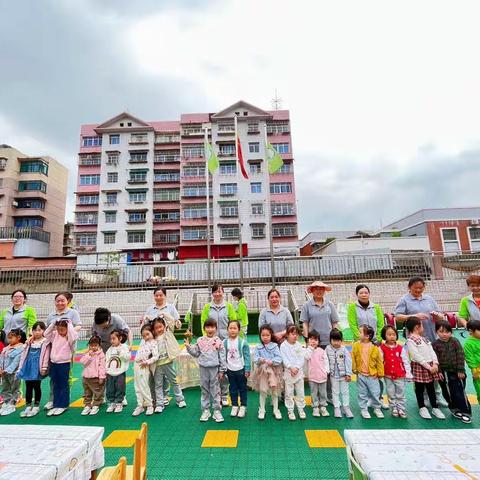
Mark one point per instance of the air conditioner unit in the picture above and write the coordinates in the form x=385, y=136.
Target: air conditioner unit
x=474, y=221
x=14, y=204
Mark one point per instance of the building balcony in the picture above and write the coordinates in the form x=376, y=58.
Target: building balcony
x=89, y=248
x=166, y=158
x=193, y=132
x=166, y=226
x=29, y=212
x=166, y=139
x=167, y=239
x=136, y=222
x=226, y=130
x=24, y=233
x=136, y=181
x=32, y=194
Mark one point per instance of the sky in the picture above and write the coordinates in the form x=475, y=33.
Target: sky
x=383, y=95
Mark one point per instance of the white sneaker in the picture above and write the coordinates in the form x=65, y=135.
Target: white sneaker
x=438, y=413
x=291, y=416
x=316, y=412
x=205, y=415
x=59, y=411
x=277, y=414
x=324, y=412
x=94, y=410
x=149, y=411
x=378, y=413
x=138, y=411
x=337, y=413
x=402, y=414
x=424, y=413
x=224, y=402
x=124, y=401
x=301, y=414
x=7, y=410
x=217, y=416
x=51, y=412
x=365, y=413
x=118, y=408
x=34, y=411
x=242, y=412
x=48, y=406
x=110, y=408
x=86, y=410
x=182, y=404
x=26, y=412
x=234, y=411
x=261, y=414
x=348, y=413
x=385, y=404
x=158, y=409
x=166, y=402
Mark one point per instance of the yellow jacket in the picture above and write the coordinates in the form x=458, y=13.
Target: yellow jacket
x=375, y=360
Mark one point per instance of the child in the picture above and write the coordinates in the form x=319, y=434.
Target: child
x=147, y=356
x=268, y=373
x=318, y=368
x=168, y=350
x=94, y=374
x=33, y=368
x=237, y=354
x=210, y=352
x=3, y=340
x=472, y=353
x=117, y=359
x=293, y=358
x=451, y=360
x=9, y=362
x=340, y=363
x=396, y=369
x=424, y=366
x=63, y=337
x=367, y=363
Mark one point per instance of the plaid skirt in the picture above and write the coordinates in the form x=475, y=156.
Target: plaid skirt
x=421, y=374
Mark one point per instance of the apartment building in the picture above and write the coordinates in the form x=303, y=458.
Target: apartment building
x=33, y=193
x=142, y=186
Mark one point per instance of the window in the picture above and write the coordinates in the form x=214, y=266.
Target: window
x=281, y=147
x=279, y=209
x=86, y=239
x=110, y=217
x=194, y=171
x=193, y=129
x=258, y=230
x=166, y=195
x=167, y=156
x=253, y=127
x=167, y=138
x=256, y=187
x=91, y=141
x=167, y=177
x=109, y=238
x=112, y=198
x=228, y=168
x=38, y=186
x=159, y=237
x=281, y=187
x=114, y=139
x=138, y=176
x=112, y=158
x=194, y=234
x=195, y=211
x=90, y=179
x=88, y=199
x=195, y=191
x=136, y=237
x=162, y=217
x=474, y=234
x=278, y=127
x=229, y=232
x=284, y=230
x=254, y=147
x=255, y=167
x=192, y=151
x=226, y=127
x=90, y=159
x=138, y=138
x=27, y=203
x=257, y=208
x=140, y=196
x=451, y=245
x=138, y=157
x=229, y=209
x=227, y=149
x=137, y=217
x=112, y=177
x=86, y=218
x=228, y=189
x=32, y=222
x=285, y=168
x=34, y=166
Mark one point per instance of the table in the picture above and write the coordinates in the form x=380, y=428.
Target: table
x=41, y=452
x=417, y=454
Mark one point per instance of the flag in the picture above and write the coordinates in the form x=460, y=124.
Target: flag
x=212, y=160
x=275, y=161
x=240, y=159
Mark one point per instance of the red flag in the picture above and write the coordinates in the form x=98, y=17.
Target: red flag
x=240, y=159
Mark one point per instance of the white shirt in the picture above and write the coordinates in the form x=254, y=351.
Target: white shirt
x=234, y=358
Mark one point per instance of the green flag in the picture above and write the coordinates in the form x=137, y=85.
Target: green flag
x=212, y=160
x=275, y=161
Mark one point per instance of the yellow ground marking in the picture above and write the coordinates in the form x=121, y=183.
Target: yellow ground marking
x=324, y=439
x=121, y=438
x=354, y=378
x=308, y=400
x=128, y=379
x=220, y=439
x=77, y=403
x=20, y=403
x=472, y=399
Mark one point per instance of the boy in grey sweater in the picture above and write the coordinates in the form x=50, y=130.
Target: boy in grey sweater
x=210, y=352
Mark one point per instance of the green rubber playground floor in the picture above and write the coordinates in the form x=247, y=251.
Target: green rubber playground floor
x=268, y=449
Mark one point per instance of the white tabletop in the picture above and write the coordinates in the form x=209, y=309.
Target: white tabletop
x=43, y=452
x=417, y=454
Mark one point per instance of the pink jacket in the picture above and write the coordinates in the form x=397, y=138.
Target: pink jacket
x=318, y=366
x=62, y=347
x=94, y=364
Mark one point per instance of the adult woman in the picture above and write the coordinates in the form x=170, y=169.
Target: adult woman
x=275, y=315
x=415, y=303
x=364, y=312
x=241, y=310
x=470, y=305
x=18, y=315
x=318, y=313
x=161, y=306
x=63, y=311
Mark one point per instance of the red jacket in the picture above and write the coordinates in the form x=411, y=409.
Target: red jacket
x=393, y=361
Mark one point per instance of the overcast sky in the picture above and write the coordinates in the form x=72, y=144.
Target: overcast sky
x=384, y=96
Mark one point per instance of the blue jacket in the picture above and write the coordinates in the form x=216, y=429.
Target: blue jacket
x=10, y=358
x=244, y=351
x=270, y=351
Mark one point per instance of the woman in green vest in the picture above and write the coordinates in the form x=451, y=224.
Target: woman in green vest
x=18, y=315
x=241, y=311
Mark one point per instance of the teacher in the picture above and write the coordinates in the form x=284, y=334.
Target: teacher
x=275, y=315
x=18, y=315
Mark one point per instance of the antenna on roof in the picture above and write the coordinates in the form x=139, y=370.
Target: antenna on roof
x=276, y=101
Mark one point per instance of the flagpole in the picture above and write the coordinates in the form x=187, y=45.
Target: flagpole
x=207, y=191
x=240, y=241
x=269, y=210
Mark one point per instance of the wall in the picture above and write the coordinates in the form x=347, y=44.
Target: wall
x=435, y=234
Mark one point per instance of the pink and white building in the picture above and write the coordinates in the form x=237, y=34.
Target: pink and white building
x=141, y=186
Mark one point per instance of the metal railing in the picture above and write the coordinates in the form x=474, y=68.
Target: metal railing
x=21, y=233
